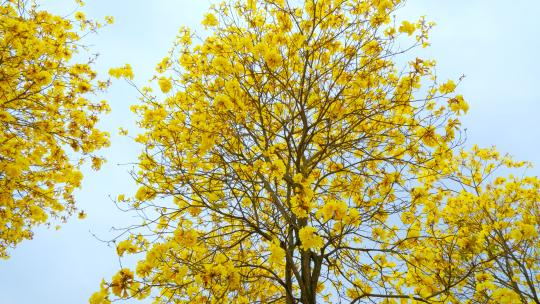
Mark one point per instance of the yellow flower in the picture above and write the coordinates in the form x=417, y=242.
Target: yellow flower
x=309, y=238
x=122, y=72
x=272, y=58
x=277, y=254
x=99, y=297
x=372, y=48
x=80, y=16
x=301, y=206
x=335, y=209
x=186, y=238
x=165, y=84
x=121, y=282
x=145, y=193
x=144, y=268
x=429, y=136
x=209, y=20
x=505, y=296
x=447, y=87
x=125, y=245
x=458, y=104
x=82, y=215
x=407, y=27
x=109, y=19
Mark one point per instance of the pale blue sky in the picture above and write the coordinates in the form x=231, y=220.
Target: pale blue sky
x=494, y=43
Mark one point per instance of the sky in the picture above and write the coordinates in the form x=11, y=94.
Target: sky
x=494, y=43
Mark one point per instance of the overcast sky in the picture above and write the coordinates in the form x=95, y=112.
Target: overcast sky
x=494, y=43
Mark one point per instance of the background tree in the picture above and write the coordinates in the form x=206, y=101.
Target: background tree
x=47, y=124
x=480, y=240
x=495, y=222
x=293, y=160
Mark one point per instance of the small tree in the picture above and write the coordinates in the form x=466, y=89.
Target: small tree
x=293, y=160
x=480, y=241
x=47, y=125
x=494, y=224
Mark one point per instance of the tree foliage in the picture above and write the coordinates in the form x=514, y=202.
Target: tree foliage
x=47, y=124
x=290, y=158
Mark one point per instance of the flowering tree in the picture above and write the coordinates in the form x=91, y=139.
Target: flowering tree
x=47, y=125
x=290, y=159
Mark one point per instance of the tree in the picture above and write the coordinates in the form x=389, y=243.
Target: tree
x=47, y=123
x=291, y=159
x=481, y=238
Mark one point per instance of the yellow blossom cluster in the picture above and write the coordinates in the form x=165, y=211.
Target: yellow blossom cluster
x=47, y=123
x=122, y=72
x=309, y=238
